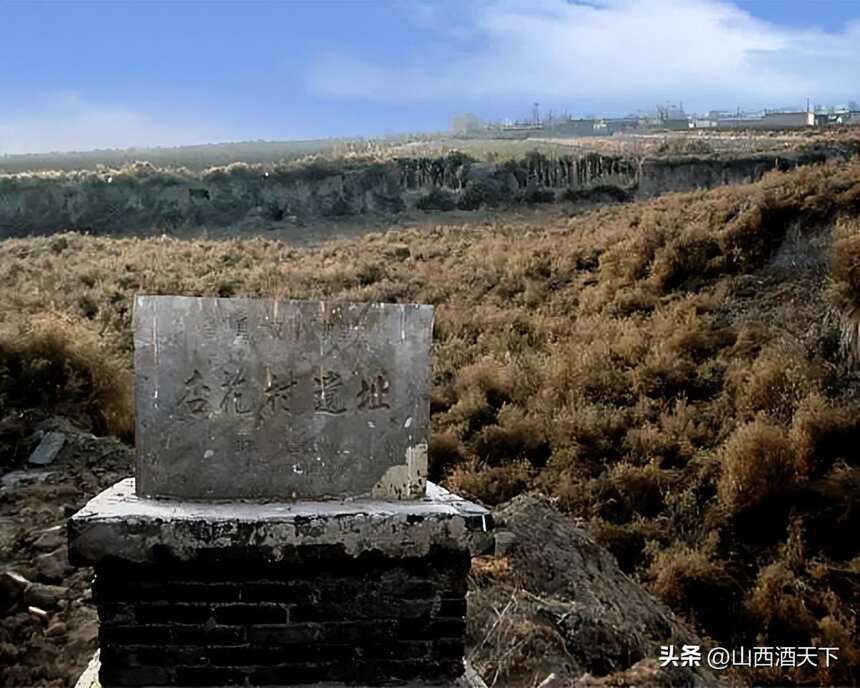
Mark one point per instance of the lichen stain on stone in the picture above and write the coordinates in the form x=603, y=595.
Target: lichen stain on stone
x=405, y=481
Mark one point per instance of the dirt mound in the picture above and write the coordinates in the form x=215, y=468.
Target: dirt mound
x=557, y=602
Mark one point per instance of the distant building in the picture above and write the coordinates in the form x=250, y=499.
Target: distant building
x=572, y=127
x=739, y=123
x=676, y=123
x=771, y=120
x=620, y=124
x=784, y=120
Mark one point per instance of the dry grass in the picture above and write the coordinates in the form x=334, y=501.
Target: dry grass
x=617, y=360
x=758, y=463
x=846, y=265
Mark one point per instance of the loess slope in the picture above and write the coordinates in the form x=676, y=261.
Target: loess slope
x=677, y=373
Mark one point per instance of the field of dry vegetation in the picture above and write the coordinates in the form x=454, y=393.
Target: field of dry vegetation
x=672, y=372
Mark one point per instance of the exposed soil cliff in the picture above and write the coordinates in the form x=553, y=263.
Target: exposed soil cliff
x=142, y=198
x=683, y=173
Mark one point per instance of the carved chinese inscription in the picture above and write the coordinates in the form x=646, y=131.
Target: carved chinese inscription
x=244, y=398
x=195, y=397
x=236, y=397
x=374, y=394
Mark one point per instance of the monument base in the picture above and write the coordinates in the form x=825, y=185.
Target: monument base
x=354, y=591
x=470, y=679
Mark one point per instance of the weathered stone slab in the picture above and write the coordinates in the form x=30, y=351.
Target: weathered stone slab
x=48, y=448
x=276, y=399
x=118, y=524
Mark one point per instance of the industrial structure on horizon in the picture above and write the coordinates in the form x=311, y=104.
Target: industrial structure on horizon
x=666, y=118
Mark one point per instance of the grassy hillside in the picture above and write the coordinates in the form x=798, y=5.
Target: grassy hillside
x=672, y=372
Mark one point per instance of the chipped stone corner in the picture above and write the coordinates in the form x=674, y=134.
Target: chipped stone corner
x=405, y=481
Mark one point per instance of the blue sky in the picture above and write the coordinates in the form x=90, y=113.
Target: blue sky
x=81, y=75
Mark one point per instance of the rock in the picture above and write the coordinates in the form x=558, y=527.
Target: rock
x=51, y=567
x=45, y=596
x=13, y=587
x=551, y=681
x=567, y=587
x=39, y=614
x=62, y=425
x=505, y=540
x=50, y=539
x=8, y=533
x=58, y=628
x=49, y=447
x=15, y=479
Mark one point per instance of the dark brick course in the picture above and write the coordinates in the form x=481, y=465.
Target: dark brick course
x=324, y=617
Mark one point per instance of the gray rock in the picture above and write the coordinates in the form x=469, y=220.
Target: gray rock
x=45, y=596
x=48, y=449
x=13, y=587
x=38, y=614
x=8, y=533
x=571, y=589
x=274, y=399
x=51, y=567
x=505, y=540
x=15, y=479
x=50, y=538
x=55, y=630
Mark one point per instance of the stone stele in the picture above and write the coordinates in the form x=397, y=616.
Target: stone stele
x=276, y=399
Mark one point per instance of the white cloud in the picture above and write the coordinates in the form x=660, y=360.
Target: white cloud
x=613, y=54
x=67, y=121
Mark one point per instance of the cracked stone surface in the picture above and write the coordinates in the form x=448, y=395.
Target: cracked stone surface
x=120, y=524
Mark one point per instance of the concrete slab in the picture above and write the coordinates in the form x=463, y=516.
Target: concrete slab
x=276, y=399
x=120, y=524
x=470, y=679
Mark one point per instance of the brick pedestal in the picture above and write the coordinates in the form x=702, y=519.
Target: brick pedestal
x=353, y=591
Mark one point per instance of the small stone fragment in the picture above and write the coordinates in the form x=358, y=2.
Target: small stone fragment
x=13, y=586
x=38, y=614
x=8, y=533
x=551, y=681
x=51, y=567
x=58, y=628
x=50, y=539
x=15, y=479
x=45, y=596
x=49, y=447
x=505, y=540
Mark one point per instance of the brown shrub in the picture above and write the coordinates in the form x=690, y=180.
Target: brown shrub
x=55, y=361
x=845, y=266
x=689, y=582
x=821, y=434
x=665, y=374
x=686, y=260
x=751, y=337
x=775, y=383
x=515, y=436
x=758, y=462
x=443, y=453
x=492, y=485
x=778, y=604
x=626, y=541
x=640, y=488
x=493, y=380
